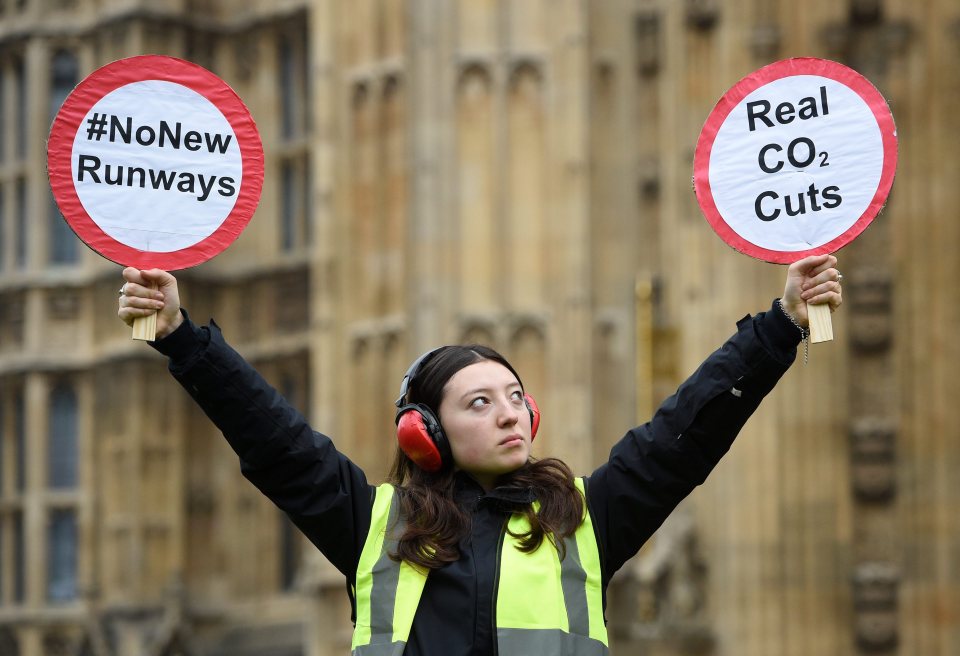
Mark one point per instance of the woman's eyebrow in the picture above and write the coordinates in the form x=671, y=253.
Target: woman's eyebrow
x=477, y=390
x=486, y=390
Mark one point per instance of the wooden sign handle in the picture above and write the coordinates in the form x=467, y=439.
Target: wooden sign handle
x=145, y=328
x=821, y=325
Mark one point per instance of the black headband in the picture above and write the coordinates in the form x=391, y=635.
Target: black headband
x=411, y=372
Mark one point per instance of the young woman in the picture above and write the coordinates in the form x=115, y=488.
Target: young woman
x=474, y=547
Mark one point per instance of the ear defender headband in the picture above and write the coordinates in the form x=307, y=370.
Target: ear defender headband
x=419, y=432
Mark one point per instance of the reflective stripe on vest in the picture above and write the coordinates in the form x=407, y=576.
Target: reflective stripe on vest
x=544, y=605
x=387, y=592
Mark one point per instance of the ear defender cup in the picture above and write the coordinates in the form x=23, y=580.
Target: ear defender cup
x=421, y=437
x=534, y=415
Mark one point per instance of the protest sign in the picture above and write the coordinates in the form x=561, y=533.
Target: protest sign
x=155, y=162
x=796, y=159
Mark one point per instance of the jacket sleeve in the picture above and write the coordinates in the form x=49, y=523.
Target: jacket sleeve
x=656, y=465
x=325, y=494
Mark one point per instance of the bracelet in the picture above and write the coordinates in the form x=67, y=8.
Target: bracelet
x=804, y=333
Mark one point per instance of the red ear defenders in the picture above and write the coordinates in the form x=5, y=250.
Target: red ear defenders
x=419, y=432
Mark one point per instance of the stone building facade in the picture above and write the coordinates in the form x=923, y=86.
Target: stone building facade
x=515, y=172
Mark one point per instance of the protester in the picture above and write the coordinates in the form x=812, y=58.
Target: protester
x=474, y=547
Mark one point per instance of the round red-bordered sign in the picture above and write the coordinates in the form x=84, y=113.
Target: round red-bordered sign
x=796, y=159
x=155, y=162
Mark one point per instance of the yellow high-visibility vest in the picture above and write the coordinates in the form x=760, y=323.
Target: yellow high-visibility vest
x=565, y=620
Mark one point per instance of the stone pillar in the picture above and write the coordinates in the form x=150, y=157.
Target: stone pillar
x=866, y=42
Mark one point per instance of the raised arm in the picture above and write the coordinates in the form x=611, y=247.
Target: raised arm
x=656, y=465
x=324, y=493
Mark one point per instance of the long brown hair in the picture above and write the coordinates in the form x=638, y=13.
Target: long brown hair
x=435, y=523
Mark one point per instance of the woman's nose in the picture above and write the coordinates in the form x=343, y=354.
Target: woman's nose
x=508, y=415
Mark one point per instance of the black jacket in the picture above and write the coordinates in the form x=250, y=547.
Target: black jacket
x=650, y=470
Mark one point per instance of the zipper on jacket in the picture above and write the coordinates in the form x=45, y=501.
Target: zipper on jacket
x=496, y=585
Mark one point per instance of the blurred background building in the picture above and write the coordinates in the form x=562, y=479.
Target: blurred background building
x=516, y=172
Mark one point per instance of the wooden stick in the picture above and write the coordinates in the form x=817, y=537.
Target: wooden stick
x=145, y=328
x=821, y=326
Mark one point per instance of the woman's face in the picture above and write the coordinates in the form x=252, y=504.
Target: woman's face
x=486, y=421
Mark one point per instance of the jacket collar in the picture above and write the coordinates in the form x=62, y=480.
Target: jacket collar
x=506, y=497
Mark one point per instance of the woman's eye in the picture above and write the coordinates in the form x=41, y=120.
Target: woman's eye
x=477, y=402
x=517, y=396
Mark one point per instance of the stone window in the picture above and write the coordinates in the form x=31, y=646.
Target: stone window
x=62, y=245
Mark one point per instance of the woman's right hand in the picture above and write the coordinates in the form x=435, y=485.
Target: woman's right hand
x=149, y=291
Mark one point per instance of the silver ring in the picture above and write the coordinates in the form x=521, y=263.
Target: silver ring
x=121, y=292
x=839, y=277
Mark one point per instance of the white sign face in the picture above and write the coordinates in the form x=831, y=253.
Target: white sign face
x=174, y=157
x=795, y=160
x=155, y=162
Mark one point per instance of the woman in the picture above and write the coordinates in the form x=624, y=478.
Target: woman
x=473, y=547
